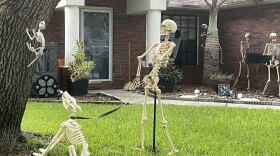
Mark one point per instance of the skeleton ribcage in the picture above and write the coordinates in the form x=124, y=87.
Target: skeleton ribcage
x=151, y=80
x=74, y=133
x=159, y=51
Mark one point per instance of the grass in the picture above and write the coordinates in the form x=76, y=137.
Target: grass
x=194, y=130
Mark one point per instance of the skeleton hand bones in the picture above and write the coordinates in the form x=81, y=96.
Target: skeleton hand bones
x=40, y=38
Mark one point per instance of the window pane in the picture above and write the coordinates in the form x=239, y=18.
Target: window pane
x=96, y=39
x=187, y=51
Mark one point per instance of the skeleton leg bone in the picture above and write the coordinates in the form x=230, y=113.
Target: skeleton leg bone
x=59, y=135
x=268, y=81
x=164, y=124
x=239, y=74
x=72, y=151
x=248, y=77
x=278, y=79
x=144, y=118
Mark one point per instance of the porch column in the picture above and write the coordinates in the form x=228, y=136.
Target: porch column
x=72, y=29
x=72, y=25
x=153, y=31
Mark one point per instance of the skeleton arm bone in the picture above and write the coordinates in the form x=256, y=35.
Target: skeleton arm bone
x=136, y=81
x=59, y=135
x=31, y=37
x=264, y=52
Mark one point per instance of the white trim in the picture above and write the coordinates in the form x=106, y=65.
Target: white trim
x=110, y=12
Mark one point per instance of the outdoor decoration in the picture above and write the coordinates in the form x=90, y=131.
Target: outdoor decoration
x=70, y=129
x=212, y=44
x=40, y=38
x=244, y=48
x=272, y=49
x=45, y=86
x=220, y=78
x=161, y=52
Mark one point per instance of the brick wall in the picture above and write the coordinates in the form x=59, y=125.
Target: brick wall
x=55, y=32
x=232, y=25
x=260, y=22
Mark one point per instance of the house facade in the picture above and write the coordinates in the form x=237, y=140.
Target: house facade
x=115, y=32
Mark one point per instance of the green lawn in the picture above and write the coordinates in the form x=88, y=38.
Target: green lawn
x=194, y=130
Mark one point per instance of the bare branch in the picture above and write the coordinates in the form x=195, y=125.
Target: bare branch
x=221, y=3
x=209, y=4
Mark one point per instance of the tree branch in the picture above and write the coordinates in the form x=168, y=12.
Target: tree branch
x=221, y=3
x=209, y=4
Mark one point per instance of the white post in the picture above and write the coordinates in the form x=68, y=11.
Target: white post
x=153, y=30
x=72, y=28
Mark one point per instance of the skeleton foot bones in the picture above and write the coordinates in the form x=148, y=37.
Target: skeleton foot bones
x=160, y=55
x=69, y=129
x=40, y=38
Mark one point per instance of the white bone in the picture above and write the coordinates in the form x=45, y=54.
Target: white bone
x=272, y=49
x=244, y=48
x=39, y=38
x=70, y=128
x=160, y=56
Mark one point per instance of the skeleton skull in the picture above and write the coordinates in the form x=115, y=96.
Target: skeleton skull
x=70, y=103
x=247, y=35
x=204, y=26
x=273, y=36
x=168, y=26
x=42, y=25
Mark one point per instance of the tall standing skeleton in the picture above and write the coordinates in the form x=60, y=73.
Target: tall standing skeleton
x=39, y=36
x=272, y=49
x=244, y=48
x=161, y=52
x=70, y=128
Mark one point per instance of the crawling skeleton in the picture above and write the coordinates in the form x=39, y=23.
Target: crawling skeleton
x=69, y=129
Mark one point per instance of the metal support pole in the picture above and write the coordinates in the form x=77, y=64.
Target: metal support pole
x=154, y=127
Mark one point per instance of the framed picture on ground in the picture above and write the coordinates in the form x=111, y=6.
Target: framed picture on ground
x=224, y=89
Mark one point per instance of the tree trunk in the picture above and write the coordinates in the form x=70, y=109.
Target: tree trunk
x=212, y=48
x=15, y=76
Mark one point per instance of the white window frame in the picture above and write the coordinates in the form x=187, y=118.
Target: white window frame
x=100, y=10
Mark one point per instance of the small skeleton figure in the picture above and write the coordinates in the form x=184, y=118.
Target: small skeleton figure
x=40, y=38
x=272, y=49
x=160, y=55
x=70, y=129
x=244, y=48
x=204, y=35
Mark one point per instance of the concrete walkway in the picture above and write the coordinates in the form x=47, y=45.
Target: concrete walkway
x=138, y=98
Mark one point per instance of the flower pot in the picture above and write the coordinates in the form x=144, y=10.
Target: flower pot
x=78, y=88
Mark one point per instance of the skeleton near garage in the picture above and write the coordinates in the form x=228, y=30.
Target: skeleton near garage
x=161, y=52
x=40, y=38
x=70, y=129
x=272, y=49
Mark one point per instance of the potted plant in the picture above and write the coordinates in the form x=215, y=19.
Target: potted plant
x=220, y=78
x=79, y=69
x=169, y=76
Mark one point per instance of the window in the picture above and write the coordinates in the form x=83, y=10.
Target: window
x=188, y=51
x=97, y=36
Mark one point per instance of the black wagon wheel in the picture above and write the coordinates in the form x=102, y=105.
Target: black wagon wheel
x=46, y=86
